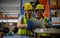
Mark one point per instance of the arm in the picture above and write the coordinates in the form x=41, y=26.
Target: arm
x=19, y=25
x=46, y=23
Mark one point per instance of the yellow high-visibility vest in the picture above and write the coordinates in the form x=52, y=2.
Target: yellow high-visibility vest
x=23, y=31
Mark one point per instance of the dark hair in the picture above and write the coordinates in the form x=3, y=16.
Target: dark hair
x=40, y=9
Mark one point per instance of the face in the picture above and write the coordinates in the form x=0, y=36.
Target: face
x=39, y=13
x=28, y=12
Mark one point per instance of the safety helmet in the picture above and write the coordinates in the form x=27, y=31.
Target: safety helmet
x=28, y=6
x=39, y=6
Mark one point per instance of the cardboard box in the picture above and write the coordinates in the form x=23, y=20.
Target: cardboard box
x=1, y=14
x=58, y=14
x=59, y=2
x=53, y=2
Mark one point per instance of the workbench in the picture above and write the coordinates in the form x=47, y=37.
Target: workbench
x=50, y=31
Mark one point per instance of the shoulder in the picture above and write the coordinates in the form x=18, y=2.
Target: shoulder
x=45, y=18
x=32, y=17
x=21, y=16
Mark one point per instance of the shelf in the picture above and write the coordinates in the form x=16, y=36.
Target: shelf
x=8, y=17
x=54, y=7
x=55, y=21
x=8, y=20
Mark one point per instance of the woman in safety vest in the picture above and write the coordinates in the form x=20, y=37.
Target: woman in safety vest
x=22, y=21
x=39, y=10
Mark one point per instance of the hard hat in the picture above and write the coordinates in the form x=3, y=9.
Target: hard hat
x=39, y=6
x=28, y=6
